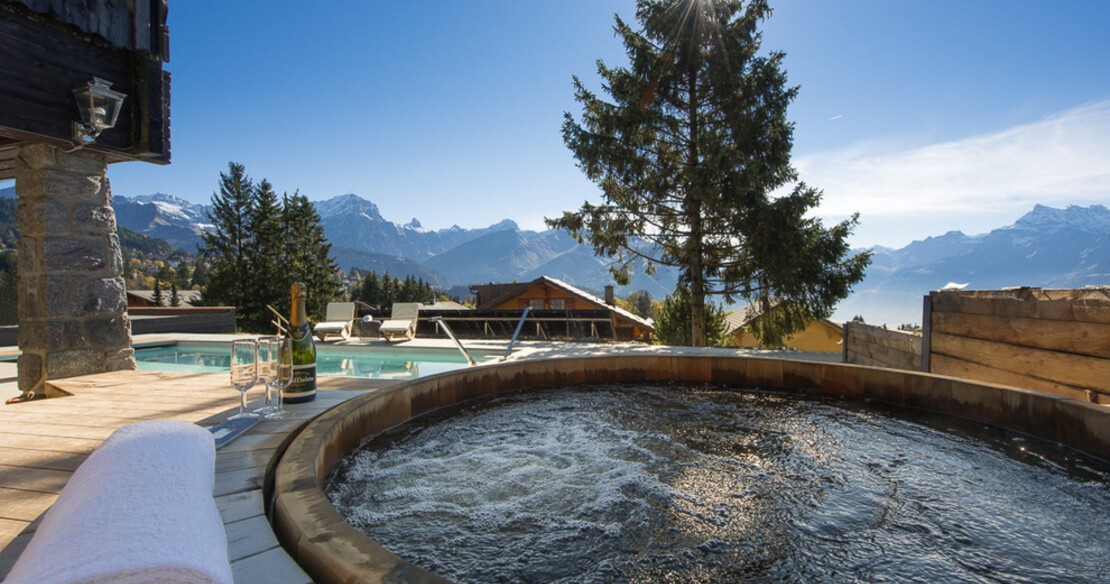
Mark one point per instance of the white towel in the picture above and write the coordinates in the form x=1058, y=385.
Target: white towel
x=139, y=509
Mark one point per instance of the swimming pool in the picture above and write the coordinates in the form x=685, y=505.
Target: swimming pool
x=331, y=361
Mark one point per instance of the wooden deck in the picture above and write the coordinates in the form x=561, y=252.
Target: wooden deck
x=43, y=442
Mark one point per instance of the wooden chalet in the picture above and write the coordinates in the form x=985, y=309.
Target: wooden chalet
x=81, y=87
x=819, y=335
x=550, y=296
x=50, y=47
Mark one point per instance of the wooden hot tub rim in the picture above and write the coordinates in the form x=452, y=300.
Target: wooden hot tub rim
x=332, y=551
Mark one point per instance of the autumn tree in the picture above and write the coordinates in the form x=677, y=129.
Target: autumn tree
x=691, y=152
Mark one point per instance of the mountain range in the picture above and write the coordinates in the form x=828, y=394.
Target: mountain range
x=1047, y=247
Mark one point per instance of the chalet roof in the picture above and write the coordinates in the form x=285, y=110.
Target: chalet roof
x=744, y=315
x=490, y=295
x=499, y=293
x=148, y=295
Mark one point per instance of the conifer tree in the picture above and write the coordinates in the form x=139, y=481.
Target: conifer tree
x=688, y=153
x=266, y=256
x=175, y=298
x=672, y=322
x=156, y=296
x=308, y=254
x=227, y=247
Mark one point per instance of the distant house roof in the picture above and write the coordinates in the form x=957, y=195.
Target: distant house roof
x=744, y=315
x=147, y=296
x=491, y=295
x=444, y=305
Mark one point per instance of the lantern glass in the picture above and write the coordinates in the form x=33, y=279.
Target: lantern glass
x=99, y=107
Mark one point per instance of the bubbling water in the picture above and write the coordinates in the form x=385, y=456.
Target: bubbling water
x=670, y=483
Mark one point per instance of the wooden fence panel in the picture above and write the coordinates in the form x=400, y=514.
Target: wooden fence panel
x=871, y=345
x=1056, y=341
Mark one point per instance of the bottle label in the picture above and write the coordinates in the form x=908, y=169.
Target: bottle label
x=304, y=380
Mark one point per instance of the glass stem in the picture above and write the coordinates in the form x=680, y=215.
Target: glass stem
x=242, y=402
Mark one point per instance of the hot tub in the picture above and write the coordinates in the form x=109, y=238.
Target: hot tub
x=330, y=550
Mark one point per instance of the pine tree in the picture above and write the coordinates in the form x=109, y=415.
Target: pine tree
x=175, y=298
x=266, y=256
x=156, y=297
x=687, y=155
x=672, y=322
x=227, y=247
x=308, y=255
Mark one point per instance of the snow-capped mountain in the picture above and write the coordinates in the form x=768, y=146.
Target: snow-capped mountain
x=1047, y=248
x=175, y=220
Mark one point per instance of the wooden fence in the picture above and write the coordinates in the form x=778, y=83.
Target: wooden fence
x=865, y=344
x=1056, y=341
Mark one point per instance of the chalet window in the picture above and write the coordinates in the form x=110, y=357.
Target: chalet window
x=536, y=304
x=558, y=304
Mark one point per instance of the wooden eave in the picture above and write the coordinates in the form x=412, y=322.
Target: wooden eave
x=44, y=59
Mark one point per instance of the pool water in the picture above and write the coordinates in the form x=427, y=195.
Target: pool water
x=369, y=362
x=660, y=483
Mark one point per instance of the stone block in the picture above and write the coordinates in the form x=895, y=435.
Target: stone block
x=41, y=216
x=27, y=255
x=37, y=156
x=111, y=331
x=74, y=334
x=47, y=335
x=96, y=296
x=121, y=360
x=61, y=185
x=94, y=218
x=30, y=371
x=66, y=254
x=115, y=255
x=56, y=292
x=32, y=297
x=70, y=363
x=104, y=197
x=82, y=162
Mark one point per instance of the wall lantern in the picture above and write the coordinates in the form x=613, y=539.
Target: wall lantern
x=99, y=106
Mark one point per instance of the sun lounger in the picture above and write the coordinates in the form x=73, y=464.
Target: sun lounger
x=402, y=321
x=338, y=321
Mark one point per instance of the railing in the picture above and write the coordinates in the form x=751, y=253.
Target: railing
x=443, y=325
x=519, y=325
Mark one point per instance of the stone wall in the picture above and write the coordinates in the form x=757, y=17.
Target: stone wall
x=72, y=300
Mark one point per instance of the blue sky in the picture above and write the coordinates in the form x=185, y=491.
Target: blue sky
x=922, y=116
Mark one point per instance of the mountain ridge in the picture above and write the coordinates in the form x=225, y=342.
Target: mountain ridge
x=1046, y=247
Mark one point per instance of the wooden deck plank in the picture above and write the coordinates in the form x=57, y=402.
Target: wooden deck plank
x=33, y=479
x=53, y=444
x=91, y=419
x=249, y=537
x=21, y=505
x=52, y=459
x=10, y=528
x=236, y=460
x=236, y=481
x=62, y=430
x=272, y=567
x=239, y=506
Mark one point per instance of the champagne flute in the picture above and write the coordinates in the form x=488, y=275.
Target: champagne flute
x=244, y=372
x=267, y=365
x=283, y=375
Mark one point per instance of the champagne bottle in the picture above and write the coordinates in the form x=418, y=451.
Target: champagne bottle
x=303, y=386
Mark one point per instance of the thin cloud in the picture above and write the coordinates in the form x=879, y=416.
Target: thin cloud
x=1057, y=161
x=836, y=117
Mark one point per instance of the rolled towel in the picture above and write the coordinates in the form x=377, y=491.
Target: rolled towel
x=139, y=509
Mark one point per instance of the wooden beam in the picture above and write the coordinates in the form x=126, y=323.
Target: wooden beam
x=44, y=60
